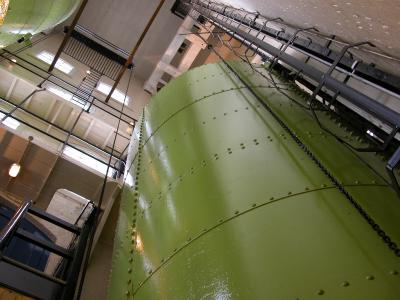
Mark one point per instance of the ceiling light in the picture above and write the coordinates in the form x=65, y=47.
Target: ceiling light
x=3, y=10
x=13, y=60
x=88, y=72
x=14, y=170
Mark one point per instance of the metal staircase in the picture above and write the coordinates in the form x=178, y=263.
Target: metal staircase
x=86, y=88
x=35, y=283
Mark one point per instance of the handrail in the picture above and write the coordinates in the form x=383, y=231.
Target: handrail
x=12, y=225
x=94, y=36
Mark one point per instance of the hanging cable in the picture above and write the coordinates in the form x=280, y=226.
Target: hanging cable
x=103, y=189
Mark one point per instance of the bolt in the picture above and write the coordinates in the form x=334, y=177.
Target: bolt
x=320, y=292
x=345, y=284
x=370, y=277
x=394, y=272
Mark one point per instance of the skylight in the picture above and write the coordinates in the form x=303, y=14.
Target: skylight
x=117, y=94
x=61, y=64
x=87, y=161
x=10, y=122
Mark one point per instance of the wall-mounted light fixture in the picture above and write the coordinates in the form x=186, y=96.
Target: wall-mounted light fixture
x=14, y=170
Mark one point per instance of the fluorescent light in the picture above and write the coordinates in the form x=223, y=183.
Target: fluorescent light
x=370, y=133
x=117, y=94
x=87, y=160
x=10, y=122
x=61, y=64
x=14, y=170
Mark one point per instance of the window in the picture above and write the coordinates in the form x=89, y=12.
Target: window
x=10, y=122
x=61, y=64
x=87, y=161
x=117, y=95
x=67, y=96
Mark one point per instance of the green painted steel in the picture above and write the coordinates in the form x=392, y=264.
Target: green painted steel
x=29, y=17
x=221, y=203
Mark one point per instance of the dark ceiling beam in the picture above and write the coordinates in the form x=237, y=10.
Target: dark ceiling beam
x=135, y=49
x=68, y=34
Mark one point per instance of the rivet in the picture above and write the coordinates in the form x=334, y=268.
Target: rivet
x=356, y=182
x=236, y=212
x=370, y=277
x=289, y=193
x=129, y=281
x=373, y=182
x=162, y=260
x=150, y=271
x=221, y=220
x=127, y=293
x=254, y=205
x=189, y=239
x=175, y=250
x=272, y=198
x=129, y=270
x=394, y=272
x=320, y=292
x=345, y=284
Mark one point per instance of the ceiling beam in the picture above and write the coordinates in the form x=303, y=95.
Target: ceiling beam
x=50, y=108
x=53, y=120
x=107, y=139
x=88, y=129
x=11, y=88
x=68, y=34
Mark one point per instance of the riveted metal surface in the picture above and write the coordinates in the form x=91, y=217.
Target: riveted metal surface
x=220, y=202
x=33, y=16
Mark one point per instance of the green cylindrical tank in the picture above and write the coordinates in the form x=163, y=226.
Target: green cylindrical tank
x=225, y=199
x=28, y=17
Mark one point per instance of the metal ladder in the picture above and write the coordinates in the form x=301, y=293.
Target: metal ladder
x=34, y=283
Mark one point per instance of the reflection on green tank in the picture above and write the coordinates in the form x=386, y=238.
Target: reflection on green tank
x=220, y=202
x=28, y=17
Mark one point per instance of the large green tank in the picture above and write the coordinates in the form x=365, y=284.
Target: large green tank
x=27, y=17
x=223, y=201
